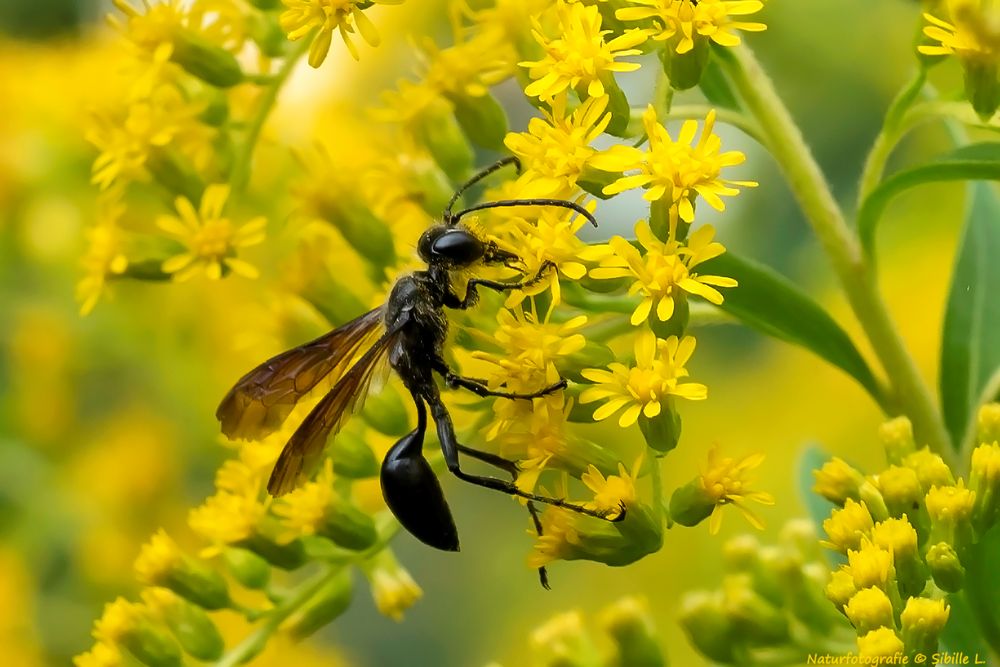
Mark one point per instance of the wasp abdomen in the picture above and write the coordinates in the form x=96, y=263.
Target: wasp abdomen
x=413, y=493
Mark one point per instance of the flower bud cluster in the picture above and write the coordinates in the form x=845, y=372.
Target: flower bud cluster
x=566, y=641
x=908, y=533
x=770, y=603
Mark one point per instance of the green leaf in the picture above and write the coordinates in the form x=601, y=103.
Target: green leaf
x=769, y=302
x=975, y=162
x=970, y=345
x=982, y=590
x=715, y=86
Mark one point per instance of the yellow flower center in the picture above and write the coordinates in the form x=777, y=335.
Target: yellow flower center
x=664, y=272
x=645, y=384
x=212, y=240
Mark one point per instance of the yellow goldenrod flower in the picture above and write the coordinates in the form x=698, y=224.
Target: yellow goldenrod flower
x=614, y=492
x=664, y=270
x=200, y=36
x=984, y=480
x=408, y=103
x=304, y=509
x=551, y=237
x=119, y=619
x=880, y=643
x=871, y=565
x=896, y=535
x=162, y=563
x=689, y=20
x=988, y=423
x=393, y=588
x=922, y=622
x=100, y=655
x=545, y=438
x=529, y=348
x=674, y=170
x=558, y=539
x=930, y=468
x=152, y=32
x=105, y=253
x=316, y=509
x=157, y=559
x=950, y=504
x=470, y=67
x=126, y=135
x=974, y=38
x=897, y=438
x=848, y=526
x=724, y=481
x=555, y=150
x=562, y=640
x=643, y=388
x=212, y=240
x=869, y=609
x=237, y=477
x=974, y=35
x=226, y=518
x=579, y=57
x=840, y=589
x=900, y=487
x=322, y=17
x=837, y=481
x=505, y=18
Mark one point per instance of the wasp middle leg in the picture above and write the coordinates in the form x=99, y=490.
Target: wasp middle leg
x=479, y=387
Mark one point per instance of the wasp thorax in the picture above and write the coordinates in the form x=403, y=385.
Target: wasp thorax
x=456, y=246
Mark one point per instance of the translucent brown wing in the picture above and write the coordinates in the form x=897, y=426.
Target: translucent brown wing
x=258, y=404
x=304, y=449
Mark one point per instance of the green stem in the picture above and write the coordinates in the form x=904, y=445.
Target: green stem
x=841, y=246
x=658, y=499
x=892, y=131
x=386, y=526
x=240, y=177
x=256, y=641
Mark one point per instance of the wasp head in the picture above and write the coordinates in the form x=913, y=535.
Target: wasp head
x=457, y=247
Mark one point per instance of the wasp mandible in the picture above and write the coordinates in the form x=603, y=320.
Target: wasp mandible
x=409, y=332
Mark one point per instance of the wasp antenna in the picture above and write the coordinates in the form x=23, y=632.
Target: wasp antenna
x=503, y=203
x=450, y=219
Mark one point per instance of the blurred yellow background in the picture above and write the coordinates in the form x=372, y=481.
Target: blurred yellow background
x=106, y=421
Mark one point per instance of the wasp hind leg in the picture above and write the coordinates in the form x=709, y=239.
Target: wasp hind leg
x=512, y=468
x=449, y=446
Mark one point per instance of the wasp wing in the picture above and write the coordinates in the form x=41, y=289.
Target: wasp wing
x=258, y=404
x=304, y=449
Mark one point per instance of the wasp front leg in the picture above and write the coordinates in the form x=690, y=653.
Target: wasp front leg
x=472, y=294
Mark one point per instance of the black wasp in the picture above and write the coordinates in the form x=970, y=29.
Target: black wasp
x=409, y=331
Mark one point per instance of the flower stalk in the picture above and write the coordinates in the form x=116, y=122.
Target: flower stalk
x=841, y=246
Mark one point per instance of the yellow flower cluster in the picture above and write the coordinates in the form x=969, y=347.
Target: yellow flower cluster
x=187, y=129
x=908, y=533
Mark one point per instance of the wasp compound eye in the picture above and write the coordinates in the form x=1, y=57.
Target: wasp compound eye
x=458, y=246
x=413, y=493
x=425, y=245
